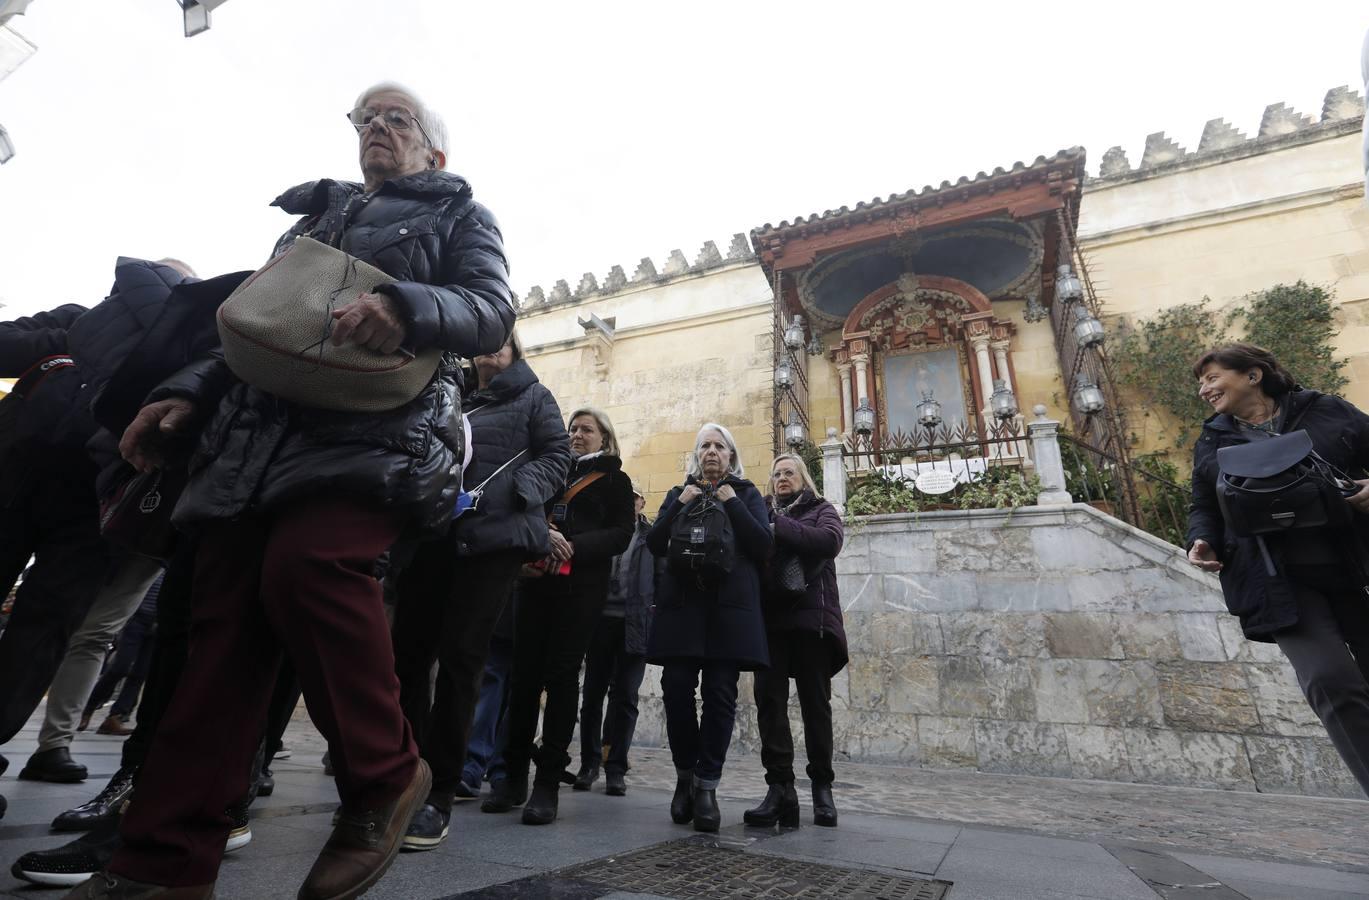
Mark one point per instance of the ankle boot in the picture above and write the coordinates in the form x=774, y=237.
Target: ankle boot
x=780, y=807
x=505, y=794
x=824, y=807
x=541, y=806
x=682, y=804
x=707, y=816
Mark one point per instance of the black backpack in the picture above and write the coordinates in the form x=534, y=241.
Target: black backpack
x=702, y=546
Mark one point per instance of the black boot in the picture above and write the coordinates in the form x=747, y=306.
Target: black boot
x=707, y=816
x=505, y=794
x=266, y=783
x=586, y=777
x=780, y=807
x=615, y=785
x=824, y=808
x=541, y=806
x=55, y=765
x=104, y=807
x=682, y=804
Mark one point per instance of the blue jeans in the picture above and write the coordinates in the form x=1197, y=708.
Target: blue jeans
x=484, y=751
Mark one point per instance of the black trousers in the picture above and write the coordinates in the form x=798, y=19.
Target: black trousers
x=611, y=670
x=1329, y=650
x=550, y=637
x=169, y=651
x=806, y=657
x=446, y=612
x=699, y=737
x=49, y=512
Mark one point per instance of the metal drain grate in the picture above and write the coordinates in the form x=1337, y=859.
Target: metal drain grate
x=704, y=870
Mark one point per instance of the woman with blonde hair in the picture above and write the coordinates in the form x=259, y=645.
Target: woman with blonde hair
x=714, y=533
x=556, y=610
x=807, y=639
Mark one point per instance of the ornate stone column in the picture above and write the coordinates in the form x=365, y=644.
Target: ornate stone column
x=847, y=414
x=862, y=363
x=981, y=352
x=1000, y=358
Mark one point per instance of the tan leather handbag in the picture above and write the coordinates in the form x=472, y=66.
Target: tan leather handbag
x=276, y=329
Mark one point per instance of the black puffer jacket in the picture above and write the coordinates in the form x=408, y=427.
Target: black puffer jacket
x=598, y=522
x=446, y=256
x=42, y=417
x=514, y=413
x=723, y=624
x=1265, y=604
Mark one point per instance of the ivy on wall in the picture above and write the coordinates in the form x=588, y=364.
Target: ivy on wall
x=1155, y=356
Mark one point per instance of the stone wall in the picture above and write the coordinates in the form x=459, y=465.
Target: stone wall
x=1051, y=641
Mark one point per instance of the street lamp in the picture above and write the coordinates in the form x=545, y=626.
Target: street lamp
x=1088, y=331
x=793, y=432
x=793, y=335
x=6, y=146
x=1088, y=399
x=784, y=374
x=1067, y=286
x=864, y=419
x=929, y=412
x=1002, y=401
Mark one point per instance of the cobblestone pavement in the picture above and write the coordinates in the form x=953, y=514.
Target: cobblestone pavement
x=1309, y=830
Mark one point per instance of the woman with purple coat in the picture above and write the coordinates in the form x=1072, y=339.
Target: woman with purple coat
x=807, y=643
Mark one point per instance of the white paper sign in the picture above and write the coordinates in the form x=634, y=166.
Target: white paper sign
x=936, y=481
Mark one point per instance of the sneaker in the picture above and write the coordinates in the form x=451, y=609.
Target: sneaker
x=104, y=886
x=241, y=835
x=427, y=829
x=71, y=863
x=282, y=753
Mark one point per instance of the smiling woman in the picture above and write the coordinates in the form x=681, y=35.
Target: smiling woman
x=1301, y=588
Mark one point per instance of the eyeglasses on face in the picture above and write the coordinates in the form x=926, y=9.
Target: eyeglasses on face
x=395, y=118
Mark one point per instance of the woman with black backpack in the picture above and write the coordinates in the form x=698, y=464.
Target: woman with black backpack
x=714, y=531
x=807, y=643
x=1303, y=588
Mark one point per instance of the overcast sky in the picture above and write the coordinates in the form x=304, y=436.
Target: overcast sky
x=599, y=132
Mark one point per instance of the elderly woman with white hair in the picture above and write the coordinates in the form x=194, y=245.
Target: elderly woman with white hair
x=295, y=507
x=714, y=531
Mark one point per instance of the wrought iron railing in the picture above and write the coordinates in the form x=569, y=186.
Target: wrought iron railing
x=1145, y=491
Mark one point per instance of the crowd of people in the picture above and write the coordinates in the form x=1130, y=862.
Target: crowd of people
x=432, y=575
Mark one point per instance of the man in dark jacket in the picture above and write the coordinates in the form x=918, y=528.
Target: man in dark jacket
x=295, y=506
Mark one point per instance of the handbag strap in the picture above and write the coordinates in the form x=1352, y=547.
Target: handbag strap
x=481, y=486
x=574, y=490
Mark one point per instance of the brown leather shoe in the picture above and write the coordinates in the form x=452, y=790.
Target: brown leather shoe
x=114, y=725
x=103, y=886
x=363, y=844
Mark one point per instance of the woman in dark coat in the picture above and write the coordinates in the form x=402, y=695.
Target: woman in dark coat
x=616, y=663
x=1313, y=605
x=557, y=608
x=807, y=643
x=452, y=593
x=296, y=506
x=708, y=633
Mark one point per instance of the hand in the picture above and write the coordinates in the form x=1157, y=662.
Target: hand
x=371, y=321
x=1360, y=501
x=141, y=443
x=1204, y=557
x=528, y=570
x=691, y=493
x=726, y=493
x=561, y=549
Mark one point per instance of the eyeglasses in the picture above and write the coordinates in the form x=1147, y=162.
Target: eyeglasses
x=396, y=118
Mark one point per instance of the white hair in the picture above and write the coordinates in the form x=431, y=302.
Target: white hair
x=432, y=123
x=734, y=466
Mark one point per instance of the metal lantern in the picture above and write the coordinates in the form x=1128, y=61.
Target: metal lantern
x=793, y=335
x=928, y=411
x=865, y=418
x=1002, y=401
x=196, y=15
x=1088, y=331
x=1067, y=286
x=784, y=374
x=815, y=347
x=6, y=146
x=793, y=432
x=1088, y=398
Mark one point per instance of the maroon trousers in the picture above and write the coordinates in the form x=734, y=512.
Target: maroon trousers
x=299, y=582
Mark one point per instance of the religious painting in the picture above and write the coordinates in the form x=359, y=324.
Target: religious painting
x=909, y=376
